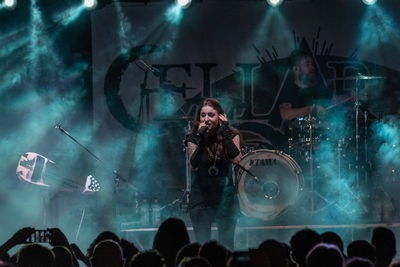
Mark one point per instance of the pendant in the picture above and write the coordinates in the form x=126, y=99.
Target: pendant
x=213, y=171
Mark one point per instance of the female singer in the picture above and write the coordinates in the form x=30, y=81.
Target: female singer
x=213, y=147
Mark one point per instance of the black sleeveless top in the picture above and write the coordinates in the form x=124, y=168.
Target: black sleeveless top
x=211, y=190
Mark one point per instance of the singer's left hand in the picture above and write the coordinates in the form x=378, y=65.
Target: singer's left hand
x=221, y=118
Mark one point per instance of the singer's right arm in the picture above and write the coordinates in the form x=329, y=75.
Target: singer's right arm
x=192, y=149
x=195, y=152
x=196, y=147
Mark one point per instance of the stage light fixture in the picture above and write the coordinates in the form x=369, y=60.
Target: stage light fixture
x=369, y=2
x=10, y=4
x=90, y=4
x=274, y=2
x=183, y=3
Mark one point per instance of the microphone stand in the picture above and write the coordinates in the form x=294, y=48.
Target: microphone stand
x=188, y=172
x=117, y=175
x=184, y=200
x=248, y=171
x=147, y=67
x=58, y=126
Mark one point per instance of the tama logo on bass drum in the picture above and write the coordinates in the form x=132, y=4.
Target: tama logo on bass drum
x=262, y=162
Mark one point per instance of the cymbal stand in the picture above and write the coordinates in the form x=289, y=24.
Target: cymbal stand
x=339, y=165
x=186, y=194
x=366, y=160
x=357, y=134
x=358, y=166
x=311, y=160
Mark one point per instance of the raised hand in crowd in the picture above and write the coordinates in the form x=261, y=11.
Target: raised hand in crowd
x=79, y=254
x=20, y=237
x=57, y=238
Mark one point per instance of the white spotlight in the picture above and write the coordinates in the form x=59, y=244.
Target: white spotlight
x=10, y=4
x=90, y=4
x=183, y=3
x=274, y=2
x=369, y=2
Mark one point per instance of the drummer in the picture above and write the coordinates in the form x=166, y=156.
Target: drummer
x=305, y=94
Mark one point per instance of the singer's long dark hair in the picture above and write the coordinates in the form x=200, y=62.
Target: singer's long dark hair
x=214, y=145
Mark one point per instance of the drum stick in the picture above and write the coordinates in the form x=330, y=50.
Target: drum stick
x=338, y=104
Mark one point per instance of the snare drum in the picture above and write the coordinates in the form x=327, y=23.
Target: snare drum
x=277, y=186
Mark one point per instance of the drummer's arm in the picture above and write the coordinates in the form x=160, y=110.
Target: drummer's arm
x=289, y=113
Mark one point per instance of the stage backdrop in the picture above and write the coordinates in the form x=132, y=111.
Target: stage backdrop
x=153, y=64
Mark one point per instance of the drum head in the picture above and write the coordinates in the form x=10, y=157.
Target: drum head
x=277, y=186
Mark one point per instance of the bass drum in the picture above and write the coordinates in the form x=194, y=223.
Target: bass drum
x=277, y=183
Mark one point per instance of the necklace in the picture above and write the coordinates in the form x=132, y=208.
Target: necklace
x=213, y=171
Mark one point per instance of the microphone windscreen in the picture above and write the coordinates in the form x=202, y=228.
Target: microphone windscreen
x=202, y=130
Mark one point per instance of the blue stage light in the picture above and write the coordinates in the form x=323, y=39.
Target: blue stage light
x=274, y=2
x=183, y=3
x=9, y=4
x=369, y=2
x=90, y=4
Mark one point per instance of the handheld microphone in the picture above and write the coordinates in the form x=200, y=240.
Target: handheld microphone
x=202, y=130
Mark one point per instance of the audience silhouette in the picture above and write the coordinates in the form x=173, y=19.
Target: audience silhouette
x=128, y=249
x=326, y=255
x=195, y=261
x=107, y=253
x=395, y=263
x=106, y=235
x=301, y=243
x=359, y=262
x=332, y=238
x=362, y=249
x=187, y=251
x=172, y=248
x=36, y=255
x=276, y=252
x=171, y=236
x=385, y=246
x=215, y=253
x=147, y=258
x=63, y=257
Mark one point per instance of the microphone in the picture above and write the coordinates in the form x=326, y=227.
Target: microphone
x=202, y=131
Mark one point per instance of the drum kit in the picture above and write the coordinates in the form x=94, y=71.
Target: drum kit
x=318, y=150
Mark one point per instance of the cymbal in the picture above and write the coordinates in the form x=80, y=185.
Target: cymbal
x=359, y=76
